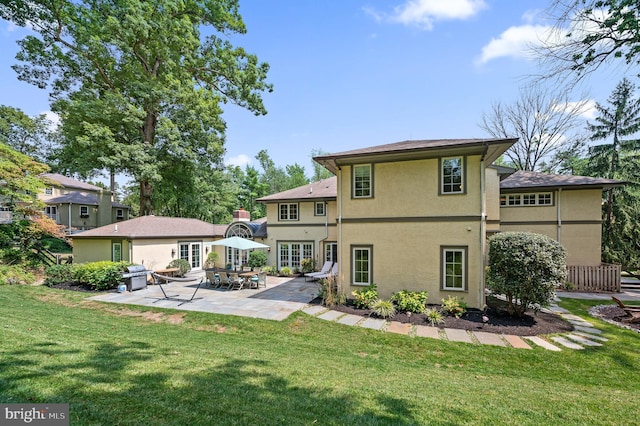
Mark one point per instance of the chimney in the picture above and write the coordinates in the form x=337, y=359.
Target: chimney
x=241, y=215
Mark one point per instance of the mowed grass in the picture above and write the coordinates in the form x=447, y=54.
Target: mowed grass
x=126, y=365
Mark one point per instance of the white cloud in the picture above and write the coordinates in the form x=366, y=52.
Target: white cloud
x=53, y=118
x=240, y=160
x=423, y=13
x=515, y=42
x=587, y=108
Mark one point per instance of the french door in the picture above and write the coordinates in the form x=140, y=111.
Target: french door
x=291, y=254
x=192, y=253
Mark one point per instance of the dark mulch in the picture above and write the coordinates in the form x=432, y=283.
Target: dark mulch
x=613, y=315
x=531, y=324
x=74, y=286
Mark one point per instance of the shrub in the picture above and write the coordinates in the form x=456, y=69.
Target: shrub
x=58, y=274
x=257, y=259
x=330, y=293
x=99, y=275
x=308, y=265
x=14, y=274
x=526, y=268
x=364, y=297
x=182, y=265
x=383, y=308
x=411, y=301
x=454, y=306
x=286, y=271
x=434, y=316
x=212, y=258
x=271, y=270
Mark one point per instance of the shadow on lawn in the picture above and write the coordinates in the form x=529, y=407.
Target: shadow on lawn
x=123, y=384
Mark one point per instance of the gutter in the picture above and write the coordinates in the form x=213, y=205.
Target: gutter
x=483, y=227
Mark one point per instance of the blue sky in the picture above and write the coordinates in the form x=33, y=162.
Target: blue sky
x=354, y=73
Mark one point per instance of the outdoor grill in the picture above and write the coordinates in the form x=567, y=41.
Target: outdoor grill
x=135, y=277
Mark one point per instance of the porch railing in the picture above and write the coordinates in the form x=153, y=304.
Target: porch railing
x=604, y=277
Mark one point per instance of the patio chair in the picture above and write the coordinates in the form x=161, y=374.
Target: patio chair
x=237, y=282
x=212, y=280
x=332, y=273
x=259, y=280
x=224, y=280
x=325, y=270
x=632, y=312
x=160, y=278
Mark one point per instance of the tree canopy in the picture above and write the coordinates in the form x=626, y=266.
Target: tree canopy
x=138, y=84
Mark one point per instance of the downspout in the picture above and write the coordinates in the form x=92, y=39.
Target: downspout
x=339, y=220
x=70, y=204
x=483, y=228
x=559, y=217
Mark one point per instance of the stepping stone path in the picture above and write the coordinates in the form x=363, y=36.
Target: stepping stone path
x=584, y=335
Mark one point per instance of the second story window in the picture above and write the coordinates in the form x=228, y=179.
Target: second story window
x=84, y=211
x=362, y=181
x=48, y=190
x=320, y=210
x=452, y=175
x=119, y=214
x=288, y=211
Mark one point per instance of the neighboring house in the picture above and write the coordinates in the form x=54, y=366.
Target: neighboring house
x=415, y=215
x=79, y=206
x=154, y=241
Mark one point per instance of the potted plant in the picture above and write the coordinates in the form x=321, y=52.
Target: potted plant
x=212, y=258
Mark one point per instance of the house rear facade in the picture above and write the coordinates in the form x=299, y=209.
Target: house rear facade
x=416, y=215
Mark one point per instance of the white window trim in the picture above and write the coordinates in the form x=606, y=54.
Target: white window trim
x=462, y=176
x=369, y=266
x=288, y=218
x=315, y=208
x=86, y=209
x=443, y=267
x=353, y=181
x=504, y=199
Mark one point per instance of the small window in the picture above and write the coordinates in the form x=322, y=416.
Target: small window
x=454, y=274
x=361, y=258
x=452, y=175
x=362, y=182
x=320, y=210
x=545, y=199
x=514, y=200
x=119, y=214
x=48, y=191
x=288, y=211
x=529, y=199
x=116, y=250
x=84, y=211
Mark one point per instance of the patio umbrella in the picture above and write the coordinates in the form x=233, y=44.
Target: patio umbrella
x=238, y=243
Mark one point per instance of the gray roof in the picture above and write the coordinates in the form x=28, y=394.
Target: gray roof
x=156, y=227
x=534, y=180
x=416, y=149
x=67, y=182
x=322, y=190
x=74, y=198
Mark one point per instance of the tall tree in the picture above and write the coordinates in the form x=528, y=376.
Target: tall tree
x=275, y=177
x=619, y=159
x=319, y=172
x=30, y=136
x=589, y=33
x=296, y=175
x=541, y=122
x=137, y=84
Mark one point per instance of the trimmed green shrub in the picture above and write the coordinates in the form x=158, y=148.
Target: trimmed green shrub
x=212, y=258
x=15, y=274
x=271, y=270
x=364, y=297
x=286, y=271
x=454, y=306
x=58, y=274
x=182, y=265
x=411, y=301
x=99, y=275
x=383, y=308
x=257, y=259
x=526, y=268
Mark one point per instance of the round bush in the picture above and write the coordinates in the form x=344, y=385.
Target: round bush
x=526, y=268
x=181, y=264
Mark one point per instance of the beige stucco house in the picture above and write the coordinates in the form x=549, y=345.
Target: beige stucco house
x=154, y=241
x=416, y=215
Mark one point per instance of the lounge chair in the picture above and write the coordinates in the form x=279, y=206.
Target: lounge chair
x=631, y=311
x=325, y=270
x=212, y=280
x=332, y=273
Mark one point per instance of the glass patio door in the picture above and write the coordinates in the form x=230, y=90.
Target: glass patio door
x=192, y=253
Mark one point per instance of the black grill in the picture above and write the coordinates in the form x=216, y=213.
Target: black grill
x=135, y=277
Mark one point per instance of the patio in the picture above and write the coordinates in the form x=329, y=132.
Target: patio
x=281, y=297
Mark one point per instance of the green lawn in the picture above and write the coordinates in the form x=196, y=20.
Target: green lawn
x=118, y=365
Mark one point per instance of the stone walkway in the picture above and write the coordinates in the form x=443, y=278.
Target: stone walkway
x=584, y=335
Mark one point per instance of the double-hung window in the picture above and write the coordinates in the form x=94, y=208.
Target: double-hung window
x=288, y=211
x=320, y=208
x=84, y=211
x=454, y=268
x=362, y=181
x=452, y=175
x=362, y=263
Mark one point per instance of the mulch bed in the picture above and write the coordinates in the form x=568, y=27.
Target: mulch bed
x=74, y=287
x=613, y=315
x=531, y=324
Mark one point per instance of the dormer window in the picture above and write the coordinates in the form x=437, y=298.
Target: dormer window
x=119, y=214
x=84, y=212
